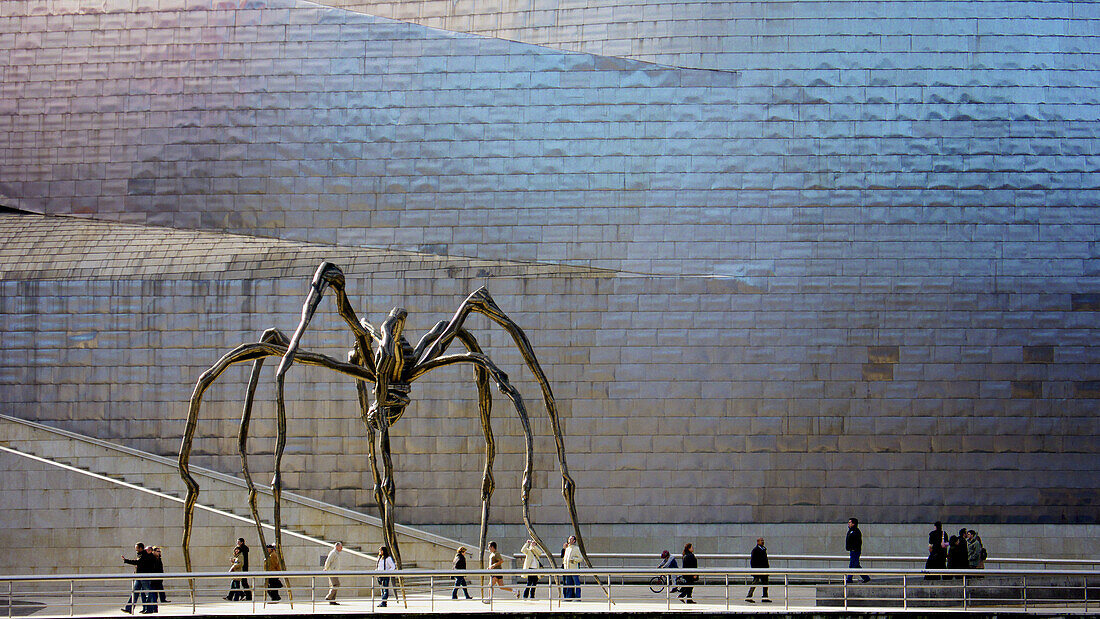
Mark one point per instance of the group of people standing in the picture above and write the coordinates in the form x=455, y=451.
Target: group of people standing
x=149, y=591
x=955, y=552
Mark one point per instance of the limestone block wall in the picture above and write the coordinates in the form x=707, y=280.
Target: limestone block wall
x=82, y=525
x=312, y=527
x=684, y=400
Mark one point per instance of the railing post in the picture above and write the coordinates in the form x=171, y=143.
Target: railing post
x=727, y=591
x=1024, y=582
x=845, y=593
x=431, y=592
x=786, y=591
x=904, y=592
x=609, y=593
x=964, y=592
x=72, y=602
x=313, y=593
x=1086, y=582
x=9, y=599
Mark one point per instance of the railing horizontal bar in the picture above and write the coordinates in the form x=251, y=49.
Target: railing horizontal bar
x=612, y=571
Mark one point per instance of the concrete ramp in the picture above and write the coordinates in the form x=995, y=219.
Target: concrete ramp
x=72, y=503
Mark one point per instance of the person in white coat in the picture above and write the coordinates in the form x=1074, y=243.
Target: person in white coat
x=385, y=563
x=571, y=561
x=531, y=554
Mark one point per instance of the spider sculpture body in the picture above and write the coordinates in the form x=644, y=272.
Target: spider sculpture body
x=384, y=365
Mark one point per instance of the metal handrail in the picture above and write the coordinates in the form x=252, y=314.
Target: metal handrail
x=647, y=557
x=611, y=571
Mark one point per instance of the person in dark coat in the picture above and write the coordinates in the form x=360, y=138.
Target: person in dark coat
x=157, y=586
x=956, y=554
x=759, y=560
x=459, y=563
x=688, y=561
x=853, y=543
x=143, y=564
x=246, y=592
x=937, y=550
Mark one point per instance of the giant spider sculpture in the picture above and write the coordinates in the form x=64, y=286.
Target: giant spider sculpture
x=382, y=360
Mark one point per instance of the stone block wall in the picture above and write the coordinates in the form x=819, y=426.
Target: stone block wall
x=684, y=400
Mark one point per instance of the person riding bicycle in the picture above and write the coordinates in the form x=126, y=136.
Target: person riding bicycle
x=668, y=562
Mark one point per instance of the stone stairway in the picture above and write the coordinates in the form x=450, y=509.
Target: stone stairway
x=310, y=526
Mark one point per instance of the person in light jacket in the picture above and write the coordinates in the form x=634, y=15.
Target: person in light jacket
x=385, y=563
x=531, y=554
x=571, y=561
x=332, y=564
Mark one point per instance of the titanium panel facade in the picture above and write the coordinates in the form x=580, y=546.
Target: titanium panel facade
x=808, y=266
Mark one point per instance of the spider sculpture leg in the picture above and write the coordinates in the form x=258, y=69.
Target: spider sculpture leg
x=242, y=354
x=270, y=336
x=481, y=376
x=486, y=365
x=327, y=275
x=384, y=507
x=481, y=302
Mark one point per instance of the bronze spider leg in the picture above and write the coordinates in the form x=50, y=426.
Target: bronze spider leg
x=241, y=354
x=327, y=275
x=480, y=301
x=486, y=366
x=488, y=485
x=273, y=336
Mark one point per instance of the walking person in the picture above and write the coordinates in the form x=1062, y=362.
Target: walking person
x=688, y=561
x=571, y=560
x=459, y=563
x=853, y=543
x=246, y=590
x=272, y=564
x=759, y=560
x=236, y=565
x=332, y=564
x=143, y=564
x=156, y=587
x=937, y=550
x=385, y=564
x=531, y=554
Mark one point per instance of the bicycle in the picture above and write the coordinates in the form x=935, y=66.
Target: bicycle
x=657, y=584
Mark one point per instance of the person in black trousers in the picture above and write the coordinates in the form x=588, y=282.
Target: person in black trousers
x=853, y=543
x=759, y=560
x=143, y=564
x=688, y=562
x=937, y=550
x=459, y=563
x=246, y=592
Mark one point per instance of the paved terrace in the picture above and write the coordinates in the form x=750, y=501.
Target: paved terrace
x=793, y=592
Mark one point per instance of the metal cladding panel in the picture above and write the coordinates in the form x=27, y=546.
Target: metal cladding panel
x=849, y=249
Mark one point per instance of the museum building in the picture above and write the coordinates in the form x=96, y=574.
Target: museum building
x=783, y=263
